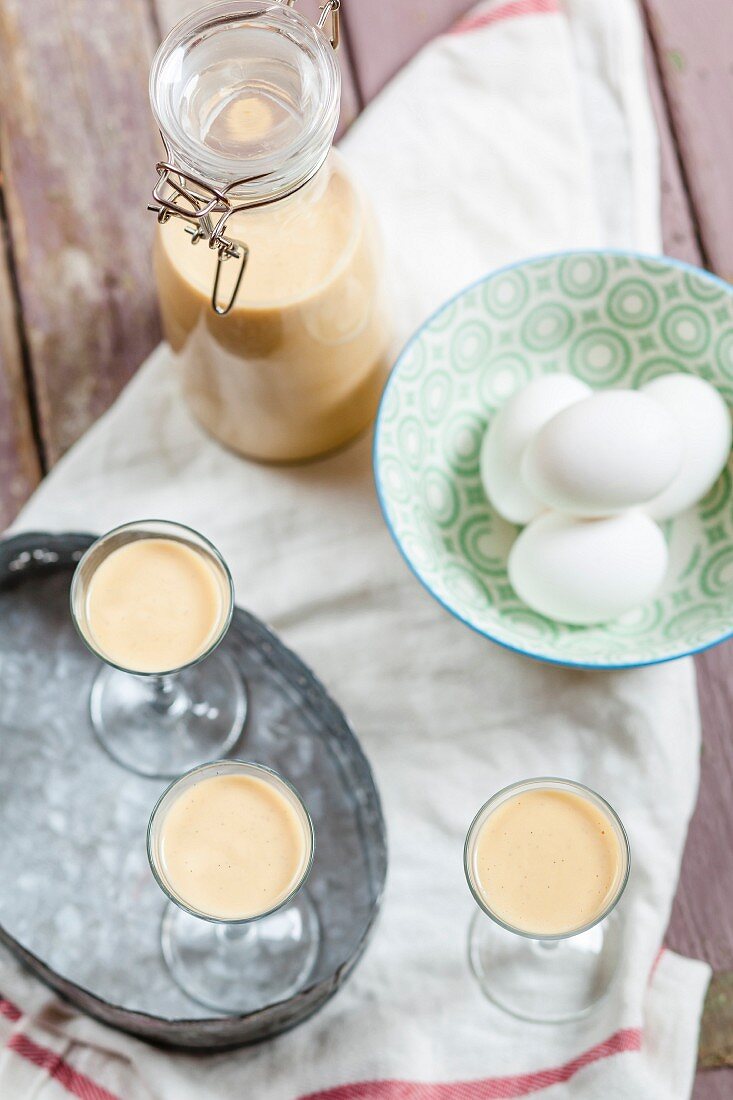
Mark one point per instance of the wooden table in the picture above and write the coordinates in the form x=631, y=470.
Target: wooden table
x=78, y=314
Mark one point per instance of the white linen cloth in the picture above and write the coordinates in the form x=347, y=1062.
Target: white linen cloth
x=527, y=131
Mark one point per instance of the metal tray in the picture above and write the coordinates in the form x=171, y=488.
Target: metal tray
x=77, y=901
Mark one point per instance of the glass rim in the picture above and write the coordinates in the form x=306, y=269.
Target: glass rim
x=554, y=783
x=235, y=764
x=318, y=130
x=215, y=553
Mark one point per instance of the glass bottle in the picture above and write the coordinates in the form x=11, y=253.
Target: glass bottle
x=280, y=325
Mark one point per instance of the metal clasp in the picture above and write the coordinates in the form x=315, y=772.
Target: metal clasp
x=331, y=8
x=181, y=195
x=241, y=252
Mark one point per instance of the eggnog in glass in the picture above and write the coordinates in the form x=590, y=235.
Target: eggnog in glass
x=153, y=599
x=547, y=860
x=231, y=844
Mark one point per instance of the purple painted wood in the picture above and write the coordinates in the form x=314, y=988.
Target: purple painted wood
x=701, y=924
x=19, y=465
x=702, y=919
x=693, y=43
x=78, y=149
x=679, y=232
x=384, y=34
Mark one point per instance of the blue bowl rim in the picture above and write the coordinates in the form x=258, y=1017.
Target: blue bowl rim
x=589, y=666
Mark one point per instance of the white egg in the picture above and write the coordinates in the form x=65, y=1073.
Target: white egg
x=611, y=451
x=508, y=435
x=703, y=420
x=587, y=570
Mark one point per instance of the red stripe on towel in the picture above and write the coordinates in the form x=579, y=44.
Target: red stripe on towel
x=656, y=962
x=507, y=11
x=78, y=1084
x=490, y=1088
x=9, y=1010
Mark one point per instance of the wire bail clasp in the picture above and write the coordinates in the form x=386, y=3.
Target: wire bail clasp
x=181, y=195
x=207, y=208
x=331, y=8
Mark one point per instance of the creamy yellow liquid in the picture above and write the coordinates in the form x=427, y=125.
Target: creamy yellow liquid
x=298, y=365
x=547, y=862
x=154, y=605
x=232, y=847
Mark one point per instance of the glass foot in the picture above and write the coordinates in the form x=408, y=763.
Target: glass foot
x=164, y=726
x=241, y=968
x=547, y=981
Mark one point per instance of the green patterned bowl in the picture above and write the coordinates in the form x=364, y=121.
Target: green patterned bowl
x=614, y=319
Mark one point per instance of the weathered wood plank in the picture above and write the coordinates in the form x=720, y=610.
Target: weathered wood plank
x=170, y=11
x=693, y=44
x=716, y=1036
x=701, y=925
x=20, y=469
x=678, y=226
x=385, y=34
x=712, y=1084
x=702, y=921
x=78, y=148
x=714, y=1079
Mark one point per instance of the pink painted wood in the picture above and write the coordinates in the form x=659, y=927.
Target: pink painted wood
x=384, y=34
x=20, y=468
x=78, y=148
x=693, y=42
x=680, y=237
x=700, y=924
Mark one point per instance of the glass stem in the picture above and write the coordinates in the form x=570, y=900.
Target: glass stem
x=167, y=695
x=230, y=935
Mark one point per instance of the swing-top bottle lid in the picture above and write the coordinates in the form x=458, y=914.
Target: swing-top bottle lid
x=246, y=94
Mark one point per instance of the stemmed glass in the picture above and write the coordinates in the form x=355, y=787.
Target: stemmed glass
x=237, y=964
x=533, y=975
x=162, y=723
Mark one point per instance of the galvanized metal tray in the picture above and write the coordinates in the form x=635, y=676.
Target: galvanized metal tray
x=77, y=901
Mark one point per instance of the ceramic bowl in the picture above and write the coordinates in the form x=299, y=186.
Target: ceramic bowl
x=613, y=319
